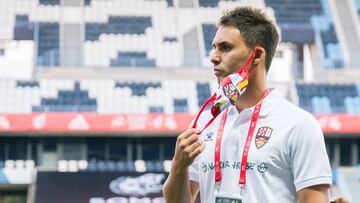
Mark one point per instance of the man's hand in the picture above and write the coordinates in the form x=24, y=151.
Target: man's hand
x=178, y=188
x=188, y=147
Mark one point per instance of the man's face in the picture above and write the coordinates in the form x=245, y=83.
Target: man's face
x=229, y=51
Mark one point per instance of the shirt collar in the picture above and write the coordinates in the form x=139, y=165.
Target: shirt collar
x=269, y=103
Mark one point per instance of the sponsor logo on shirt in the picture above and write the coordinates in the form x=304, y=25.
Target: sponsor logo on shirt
x=262, y=136
x=209, y=136
x=262, y=168
x=235, y=165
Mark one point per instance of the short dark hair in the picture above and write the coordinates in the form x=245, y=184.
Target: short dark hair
x=255, y=27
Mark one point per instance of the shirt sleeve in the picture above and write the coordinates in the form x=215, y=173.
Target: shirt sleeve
x=309, y=161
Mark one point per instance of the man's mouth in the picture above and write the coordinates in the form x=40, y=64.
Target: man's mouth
x=217, y=72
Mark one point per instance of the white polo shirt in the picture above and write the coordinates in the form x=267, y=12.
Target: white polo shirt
x=287, y=153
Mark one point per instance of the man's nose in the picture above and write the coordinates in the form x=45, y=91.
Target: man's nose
x=215, y=57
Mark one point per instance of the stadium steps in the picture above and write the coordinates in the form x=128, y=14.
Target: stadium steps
x=347, y=27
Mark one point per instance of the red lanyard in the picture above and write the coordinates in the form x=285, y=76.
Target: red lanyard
x=245, y=153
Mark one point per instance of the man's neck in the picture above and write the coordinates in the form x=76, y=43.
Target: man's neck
x=249, y=99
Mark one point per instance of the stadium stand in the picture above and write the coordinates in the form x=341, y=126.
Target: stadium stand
x=73, y=100
x=347, y=29
x=295, y=16
x=327, y=98
x=101, y=165
x=132, y=97
x=113, y=38
x=304, y=21
x=167, y=96
x=117, y=25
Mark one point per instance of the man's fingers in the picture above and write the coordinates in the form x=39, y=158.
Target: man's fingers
x=195, y=145
x=191, y=147
x=191, y=139
x=187, y=133
x=185, y=143
x=188, y=145
x=197, y=150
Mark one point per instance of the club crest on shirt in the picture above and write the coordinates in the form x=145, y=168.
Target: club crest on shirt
x=262, y=136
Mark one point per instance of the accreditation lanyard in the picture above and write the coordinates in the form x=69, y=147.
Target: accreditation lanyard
x=254, y=119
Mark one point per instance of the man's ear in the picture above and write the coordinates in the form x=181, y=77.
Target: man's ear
x=259, y=55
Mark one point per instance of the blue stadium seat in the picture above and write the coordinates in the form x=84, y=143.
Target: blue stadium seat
x=358, y=88
x=211, y=3
x=48, y=44
x=156, y=109
x=159, y=166
x=170, y=39
x=208, y=3
x=121, y=166
x=170, y=3
x=209, y=31
x=132, y=59
x=130, y=166
x=352, y=105
x=138, y=89
x=335, y=94
x=32, y=84
x=298, y=18
x=154, y=166
x=92, y=166
x=180, y=105
x=332, y=49
x=101, y=166
x=321, y=105
x=23, y=30
x=150, y=166
x=294, y=11
x=117, y=25
x=68, y=101
x=111, y=166
x=49, y=2
x=203, y=92
x=87, y=2
x=294, y=18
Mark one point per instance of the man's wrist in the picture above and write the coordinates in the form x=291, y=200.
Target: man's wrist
x=178, y=169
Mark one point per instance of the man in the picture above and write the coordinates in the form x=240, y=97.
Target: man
x=285, y=159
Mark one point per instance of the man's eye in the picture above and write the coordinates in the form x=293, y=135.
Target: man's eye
x=225, y=48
